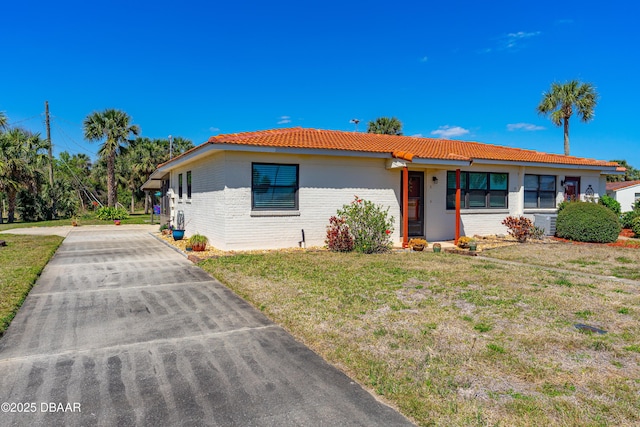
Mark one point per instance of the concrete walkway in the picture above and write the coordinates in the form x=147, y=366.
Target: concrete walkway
x=122, y=330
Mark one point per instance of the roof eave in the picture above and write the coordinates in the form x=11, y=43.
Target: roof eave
x=602, y=168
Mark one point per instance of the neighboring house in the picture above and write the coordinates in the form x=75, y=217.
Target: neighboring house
x=625, y=192
x=278, y=188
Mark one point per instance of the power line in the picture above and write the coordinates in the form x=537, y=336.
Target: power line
x=58, y=127
x=24, y=120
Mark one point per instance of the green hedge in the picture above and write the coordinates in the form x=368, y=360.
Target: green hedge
x=628, y=217
x=588, y=222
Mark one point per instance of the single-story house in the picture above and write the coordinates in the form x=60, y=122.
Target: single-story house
x=278, y=188
x=625, y=192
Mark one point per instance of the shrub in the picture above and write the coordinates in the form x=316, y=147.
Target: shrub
x=587, y=222
x=521, y=228
x=369, y=224
x=635, y=226
x=198, y=239
x=627, y=218
x=610, y=203
x=537, y=233
x=110, y=213
x=339, y=239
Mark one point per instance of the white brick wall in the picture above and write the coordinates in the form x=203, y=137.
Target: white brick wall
x=326, y=184
x=220, y=206
x=205, y=212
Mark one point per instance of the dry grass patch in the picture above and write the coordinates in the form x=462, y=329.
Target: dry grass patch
x=456, y=341
x=21, y=262
x=587, y=258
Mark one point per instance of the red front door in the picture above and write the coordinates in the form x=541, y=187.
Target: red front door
x=572, y=188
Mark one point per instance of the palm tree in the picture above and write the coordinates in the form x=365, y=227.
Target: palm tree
x=21, y=157
x=4, y=122
x=116, y=127
x=560, y=101
x=386, y=126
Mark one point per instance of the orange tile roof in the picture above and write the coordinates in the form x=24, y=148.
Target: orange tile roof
x=404, y=147
x=407, y=146
x=615, y=186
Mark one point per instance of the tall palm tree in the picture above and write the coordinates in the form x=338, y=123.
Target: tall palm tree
x=386, y=126
x=21, y=158
x=116, y=127
x=559, y=102
x=4, y=122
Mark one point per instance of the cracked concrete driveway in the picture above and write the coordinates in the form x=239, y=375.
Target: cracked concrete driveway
x=122, y=330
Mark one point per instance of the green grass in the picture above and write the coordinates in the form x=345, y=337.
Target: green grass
x=21, y=262
x=451, y=342
x=137, y=218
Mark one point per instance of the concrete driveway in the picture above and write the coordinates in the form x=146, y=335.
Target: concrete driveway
x=122, y=330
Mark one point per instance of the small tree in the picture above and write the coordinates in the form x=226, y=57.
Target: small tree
x=369, y=224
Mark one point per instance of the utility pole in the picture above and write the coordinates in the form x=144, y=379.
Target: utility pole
x=51, y=190
x=46, y=118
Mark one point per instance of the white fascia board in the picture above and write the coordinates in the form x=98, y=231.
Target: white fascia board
x=614, y=172
x=158, y=174
x=607, y=170
x=302, y=151
x=338, y=153
x=151, y=184
x=441, y=162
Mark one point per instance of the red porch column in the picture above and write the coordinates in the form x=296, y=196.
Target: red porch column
x=405, y=207
x=457, y=206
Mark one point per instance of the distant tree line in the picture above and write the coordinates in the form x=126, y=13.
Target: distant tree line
x=125, y=161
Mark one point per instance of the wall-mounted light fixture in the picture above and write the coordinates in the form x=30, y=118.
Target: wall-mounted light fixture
x=434, y=179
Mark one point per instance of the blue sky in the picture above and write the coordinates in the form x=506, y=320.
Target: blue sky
x=462, y=70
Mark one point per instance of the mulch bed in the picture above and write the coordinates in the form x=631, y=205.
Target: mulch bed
x=627, y=232
x=620, y=243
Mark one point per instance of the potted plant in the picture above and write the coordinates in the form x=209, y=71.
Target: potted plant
x=437, y=247
x=178, y=234
x=464, y=241
x=116, y=221
x=417, y=244
x=198, y=242
x=74, y=222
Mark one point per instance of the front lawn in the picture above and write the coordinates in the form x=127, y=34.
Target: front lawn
x=138, y=218
x=21, y=262
x=458, y=341
x=590, y=258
